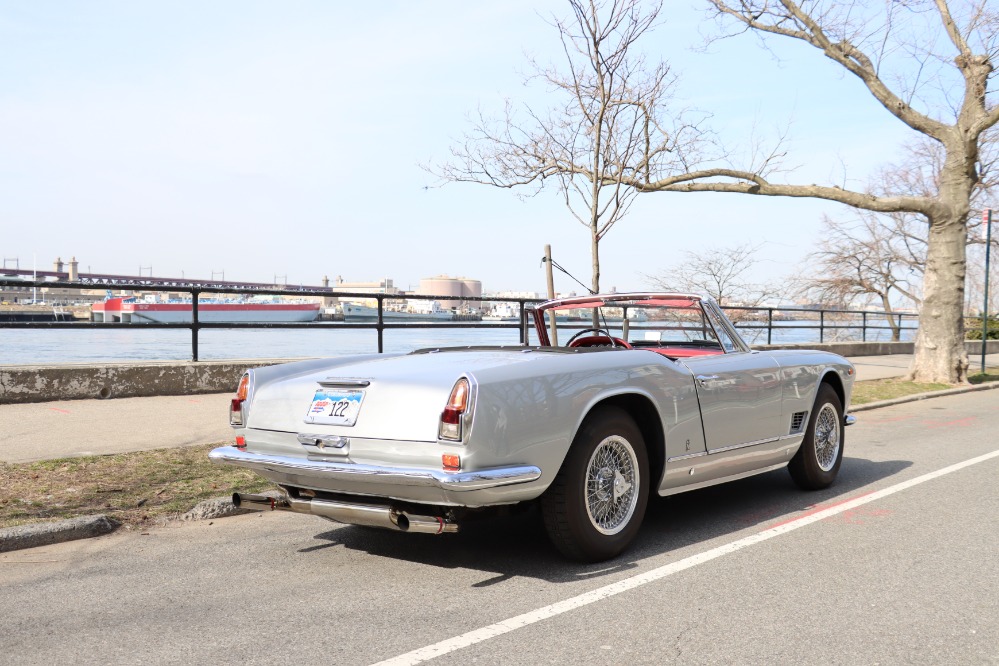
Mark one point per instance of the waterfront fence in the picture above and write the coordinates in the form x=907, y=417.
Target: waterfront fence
x=754, y=323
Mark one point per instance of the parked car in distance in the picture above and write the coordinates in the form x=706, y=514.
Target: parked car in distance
x=615, y=397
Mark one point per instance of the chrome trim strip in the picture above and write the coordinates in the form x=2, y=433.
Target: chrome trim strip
x=687, y=456
x=322, y=441
x=710, y=303
x=333, y=382
x=458, y=481
x=735, y=446
x=745, y=445
x=849, y=419
x=675, y=490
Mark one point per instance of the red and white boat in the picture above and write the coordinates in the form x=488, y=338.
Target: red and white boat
x=128, y=310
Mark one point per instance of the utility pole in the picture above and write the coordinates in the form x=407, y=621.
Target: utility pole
x=987, y=221
x=551, y=291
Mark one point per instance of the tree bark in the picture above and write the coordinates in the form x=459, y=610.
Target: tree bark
x=939, y=354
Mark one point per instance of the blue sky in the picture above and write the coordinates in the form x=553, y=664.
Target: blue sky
x=265, y=139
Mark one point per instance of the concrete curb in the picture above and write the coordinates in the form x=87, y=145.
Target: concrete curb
x=924, y=396
x=86, y=527
x=45, y=534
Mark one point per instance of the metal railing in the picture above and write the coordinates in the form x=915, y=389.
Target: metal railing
x=196, y=325
x=750, y=321
x=828, y=320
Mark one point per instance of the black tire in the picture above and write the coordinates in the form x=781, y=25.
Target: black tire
x=609, y=451
x=817, y=461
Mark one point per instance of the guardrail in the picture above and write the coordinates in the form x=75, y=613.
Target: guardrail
x=829, y=320
x=196, y=325
x=751, y=321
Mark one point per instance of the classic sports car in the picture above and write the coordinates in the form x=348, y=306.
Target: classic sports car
x=650, y=392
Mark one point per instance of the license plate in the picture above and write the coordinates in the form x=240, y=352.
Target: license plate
x=335, y=407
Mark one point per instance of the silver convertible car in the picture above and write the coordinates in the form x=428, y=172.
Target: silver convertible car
x=649, y=392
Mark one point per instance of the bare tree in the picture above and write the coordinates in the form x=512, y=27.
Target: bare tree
x=905, y=45
x=876, y=258
x=721, y=273
x=724, y=274
x=610, y=128
x=882, y=256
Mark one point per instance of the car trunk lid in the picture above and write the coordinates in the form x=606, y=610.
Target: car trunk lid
x=400, y=397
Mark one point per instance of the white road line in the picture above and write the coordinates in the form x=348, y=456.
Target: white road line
x=429, y=652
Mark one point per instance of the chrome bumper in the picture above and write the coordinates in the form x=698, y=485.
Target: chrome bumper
x=352, y=472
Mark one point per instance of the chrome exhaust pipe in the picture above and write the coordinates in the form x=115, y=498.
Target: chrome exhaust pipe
x=370, y=515
x=259, y=502
x=423, y=524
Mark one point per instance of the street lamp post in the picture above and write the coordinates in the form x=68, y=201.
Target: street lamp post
x=987, y=221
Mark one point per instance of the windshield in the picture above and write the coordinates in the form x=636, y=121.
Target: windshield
x=673, y=325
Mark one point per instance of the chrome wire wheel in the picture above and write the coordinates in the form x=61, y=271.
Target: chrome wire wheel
x=827, y=437
x=612, y=485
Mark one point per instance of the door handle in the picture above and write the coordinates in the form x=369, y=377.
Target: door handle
x=704, y=379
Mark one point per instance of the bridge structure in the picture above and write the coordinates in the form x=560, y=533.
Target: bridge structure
x=137, y=281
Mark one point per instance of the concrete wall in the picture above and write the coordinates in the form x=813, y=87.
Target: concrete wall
x=42, y=383
x=879, y=348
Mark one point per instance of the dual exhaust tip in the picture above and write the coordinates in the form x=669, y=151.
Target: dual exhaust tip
x=370, y=515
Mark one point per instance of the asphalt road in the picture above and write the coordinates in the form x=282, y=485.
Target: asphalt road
x=894, y=564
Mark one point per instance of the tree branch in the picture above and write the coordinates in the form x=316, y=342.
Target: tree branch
x=843, y=52
x=752, y=183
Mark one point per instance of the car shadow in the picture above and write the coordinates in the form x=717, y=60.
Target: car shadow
x=517, y=546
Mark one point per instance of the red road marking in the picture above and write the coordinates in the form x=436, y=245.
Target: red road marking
x=56, y=409
x=857, y=516
x=817, y=509
x=960, y=423
x=893, y=419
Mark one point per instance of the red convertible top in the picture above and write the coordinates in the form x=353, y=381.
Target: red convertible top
x=618, y=300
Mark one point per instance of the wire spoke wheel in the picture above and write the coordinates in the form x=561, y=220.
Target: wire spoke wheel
x=594, y=507
x=827, y=438
x=612, y=480
x=818, y=459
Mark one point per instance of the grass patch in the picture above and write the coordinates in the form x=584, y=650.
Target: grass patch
x=874, y=390
x=990, y=375
x=139, y=489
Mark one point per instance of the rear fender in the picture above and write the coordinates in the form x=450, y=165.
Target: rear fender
x=642, y=408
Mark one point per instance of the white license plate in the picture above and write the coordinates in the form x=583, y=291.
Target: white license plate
x=335, y=407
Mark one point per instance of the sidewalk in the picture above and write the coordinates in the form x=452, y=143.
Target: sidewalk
x=45, y=430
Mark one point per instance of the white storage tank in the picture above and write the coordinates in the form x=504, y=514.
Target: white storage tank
x=455, y=291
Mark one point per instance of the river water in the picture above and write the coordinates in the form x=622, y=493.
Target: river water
x=41, y=346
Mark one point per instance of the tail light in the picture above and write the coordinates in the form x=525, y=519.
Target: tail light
x=452, y=416
x=243, y=390
x=236, y=412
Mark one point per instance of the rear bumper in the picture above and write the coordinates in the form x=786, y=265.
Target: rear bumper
x=473, y=488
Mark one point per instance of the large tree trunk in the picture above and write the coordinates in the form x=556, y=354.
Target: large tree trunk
x=940, y=356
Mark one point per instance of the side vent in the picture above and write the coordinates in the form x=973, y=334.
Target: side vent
x=798, y=422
